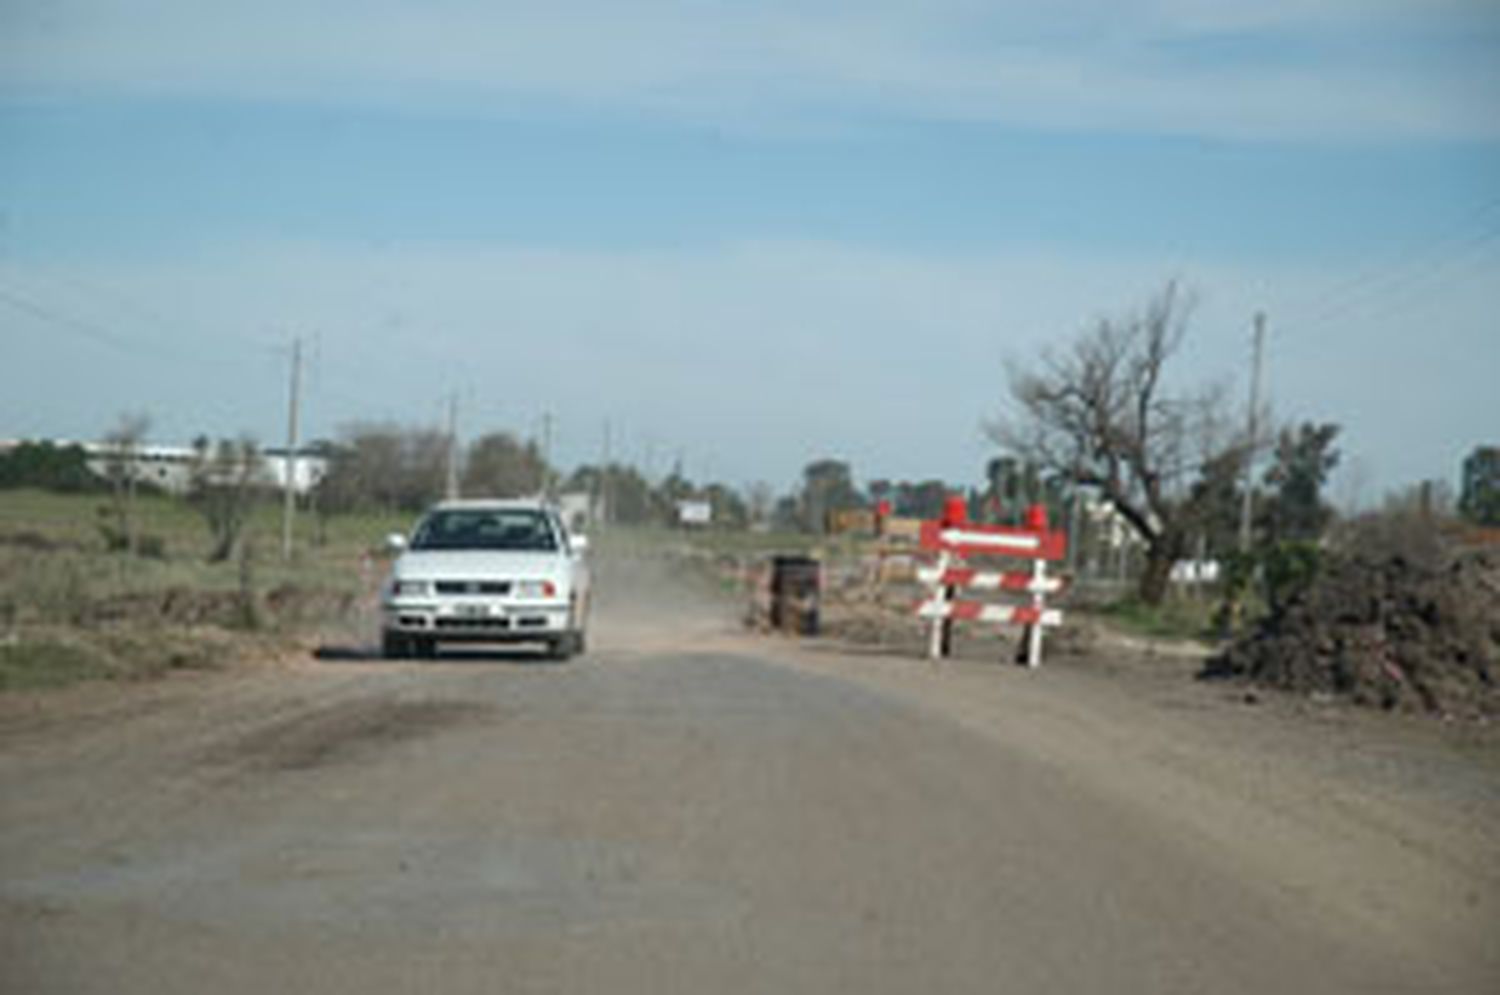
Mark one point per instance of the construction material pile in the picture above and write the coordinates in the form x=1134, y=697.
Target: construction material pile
x=1386, y=628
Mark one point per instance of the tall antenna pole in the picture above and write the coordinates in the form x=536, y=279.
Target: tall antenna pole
x=1247, y=506
x=450, y=489
x=289, y=460
x=606, y=473
x=547, y=454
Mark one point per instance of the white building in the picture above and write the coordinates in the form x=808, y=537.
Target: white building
x=171, y=467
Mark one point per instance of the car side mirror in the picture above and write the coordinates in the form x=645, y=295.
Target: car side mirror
x=580, y=544
x=395, y=542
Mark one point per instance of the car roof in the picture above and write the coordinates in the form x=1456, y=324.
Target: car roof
x=492, y=504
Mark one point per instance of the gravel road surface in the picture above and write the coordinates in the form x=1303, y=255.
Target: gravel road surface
x=690, y=809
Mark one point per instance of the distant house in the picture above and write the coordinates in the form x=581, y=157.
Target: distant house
x=170, y=468
x=306, y=469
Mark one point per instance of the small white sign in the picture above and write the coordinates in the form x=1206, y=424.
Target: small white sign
x=694, y=512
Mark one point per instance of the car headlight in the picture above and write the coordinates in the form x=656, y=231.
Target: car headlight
x=404, y=587
x=535, y=589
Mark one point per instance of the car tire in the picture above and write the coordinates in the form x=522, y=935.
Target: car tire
x=394, y=646
x=426, y=647
x=560, y=648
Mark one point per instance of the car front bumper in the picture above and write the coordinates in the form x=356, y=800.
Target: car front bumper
x=475, y=621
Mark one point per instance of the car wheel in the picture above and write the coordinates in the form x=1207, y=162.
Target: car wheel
x=394, y=646
x=580, y=643
x=560, y=648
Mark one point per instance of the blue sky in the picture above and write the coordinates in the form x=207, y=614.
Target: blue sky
x=748, y=234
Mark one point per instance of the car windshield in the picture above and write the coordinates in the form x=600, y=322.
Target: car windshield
x=486, y=528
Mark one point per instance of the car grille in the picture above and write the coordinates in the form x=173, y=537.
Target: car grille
x=472, y=586
x=473, y=623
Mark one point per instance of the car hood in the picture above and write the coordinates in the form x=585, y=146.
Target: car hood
x=469, y=564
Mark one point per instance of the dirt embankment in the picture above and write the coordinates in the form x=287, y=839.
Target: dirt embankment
x=143, y=634
x=1397, y=631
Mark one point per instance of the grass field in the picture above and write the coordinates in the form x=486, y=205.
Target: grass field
x=70, y=609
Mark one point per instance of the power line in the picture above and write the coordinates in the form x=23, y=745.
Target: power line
x=136, y=310
x=1416, y=279
x=118, y=299
x=1409, y=269
x=88, y=329
x=111, y=336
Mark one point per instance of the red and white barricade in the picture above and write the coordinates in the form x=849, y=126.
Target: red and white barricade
x=954, y=539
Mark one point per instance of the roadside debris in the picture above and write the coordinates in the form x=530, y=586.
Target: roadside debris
x=1396, y=631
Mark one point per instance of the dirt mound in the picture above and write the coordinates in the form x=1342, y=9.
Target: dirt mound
x=1418, y=634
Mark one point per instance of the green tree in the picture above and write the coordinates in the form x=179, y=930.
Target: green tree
x=1216, y=503
x=730, y=509
x=629, y=498
x=1479, y=500
x=50, y=467
x=1304, y=457
x=827, y=486
x=920, y=499
x=676, y=487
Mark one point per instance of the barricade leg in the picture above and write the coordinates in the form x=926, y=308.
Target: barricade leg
x=940, y=635
x=1034, y=645
x=1039, y=602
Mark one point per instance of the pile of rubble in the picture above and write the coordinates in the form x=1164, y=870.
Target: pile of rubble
x=1392, y=630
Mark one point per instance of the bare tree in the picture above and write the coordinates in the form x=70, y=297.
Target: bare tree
x=384, y=465
x=760, y=498
x=1100, y=414
x=500, y=465
x=224, y=490
x=122, y=469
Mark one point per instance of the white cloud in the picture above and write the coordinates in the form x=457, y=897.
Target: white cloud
x=1086, y=64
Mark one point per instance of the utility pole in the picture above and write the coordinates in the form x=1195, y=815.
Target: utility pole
x=547, y=480
x=450, y=489
x=1247, y=505
x=1073, y=552
x=289, y=461
x=606, y=473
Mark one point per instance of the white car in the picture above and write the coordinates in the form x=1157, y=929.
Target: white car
x=486, y=571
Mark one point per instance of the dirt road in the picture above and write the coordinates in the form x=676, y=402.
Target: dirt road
x=687, y=809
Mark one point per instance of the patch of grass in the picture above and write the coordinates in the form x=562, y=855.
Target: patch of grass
x=71, y=609
x=145, y=651
x=754, y=543
x=55, y=658
x=29, y=664
x=1174, y=618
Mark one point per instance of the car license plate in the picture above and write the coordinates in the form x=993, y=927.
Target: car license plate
x=471, y=611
